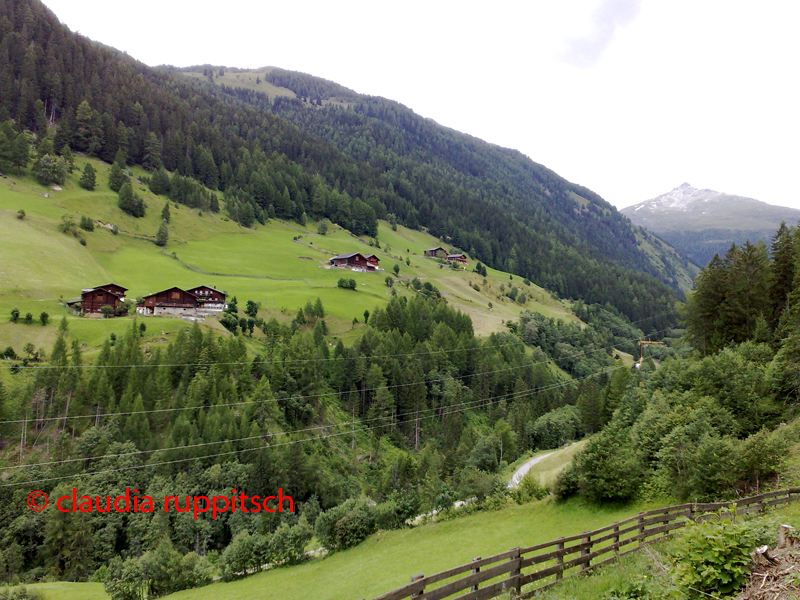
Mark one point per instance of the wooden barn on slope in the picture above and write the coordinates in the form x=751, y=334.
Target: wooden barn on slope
x=92, y=300
x=459, y=258
x=173, y=301
x=437, y=252
x=356, y=262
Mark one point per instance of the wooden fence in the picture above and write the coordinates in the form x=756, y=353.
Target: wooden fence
x=522, y=572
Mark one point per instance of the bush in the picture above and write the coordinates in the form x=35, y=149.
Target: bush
x=51, y=169
x=87, y=224
x=245, y=552
x=287, y=545
x=345, y=525
x=566, y=483
x=713, y=557
x=530, y=489
x=347, y=284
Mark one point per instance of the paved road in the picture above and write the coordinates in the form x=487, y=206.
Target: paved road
x=520, y=473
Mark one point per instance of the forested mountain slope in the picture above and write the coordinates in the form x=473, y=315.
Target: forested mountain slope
x=511, y=212
x=493, y=201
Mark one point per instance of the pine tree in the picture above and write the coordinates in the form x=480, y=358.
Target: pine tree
x=782, y=271
x=152, y=153
x=165, y=216
x=116, y=178
x=159, y=183
x=88, y=179
x=163, y=235
x=20, y=152
x=130, y=202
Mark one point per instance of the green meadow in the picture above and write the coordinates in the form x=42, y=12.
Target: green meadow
x=281, y=265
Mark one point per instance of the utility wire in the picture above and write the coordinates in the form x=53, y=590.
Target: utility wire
x=447, y=411
x=246, y=402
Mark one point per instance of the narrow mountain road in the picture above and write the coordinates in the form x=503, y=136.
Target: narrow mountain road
x=520, y=473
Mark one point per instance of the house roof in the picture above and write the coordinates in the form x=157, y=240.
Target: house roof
x=456, y=256
x=169, y=290
x=103, y=287
x=207, y=287
x=350, y=255
x=434, y=249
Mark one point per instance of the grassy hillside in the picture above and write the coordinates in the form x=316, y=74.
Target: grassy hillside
x=281, y=265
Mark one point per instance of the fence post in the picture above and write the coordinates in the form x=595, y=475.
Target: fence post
x=474, y=588
x=516, y=572
x=414, y=578
x=616, y=541
x=641, y=530
x=560, y=559
x=586, y=550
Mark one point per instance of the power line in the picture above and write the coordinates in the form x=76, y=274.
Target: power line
x=246, y=402
x=289, y=442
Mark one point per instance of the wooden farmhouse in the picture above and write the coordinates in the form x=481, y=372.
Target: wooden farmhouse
x=173, y=301
x=356, y=261
x=209, y=298
x=438, y=252
x=459, y=258
x=92, y=300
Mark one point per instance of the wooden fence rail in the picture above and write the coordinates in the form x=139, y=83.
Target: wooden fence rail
x=522, y=572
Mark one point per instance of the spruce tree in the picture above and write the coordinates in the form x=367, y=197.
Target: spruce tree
x=165, y=216
x=20, y=152
x=163, y=235
x=126, y=200
x=88, y=180
x=116, y=178
x=159, y=183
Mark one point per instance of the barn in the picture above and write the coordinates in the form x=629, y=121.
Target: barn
x=437, y=252
x=94, y=299
x=173, y=301
x=459, y=258
x=355, y=261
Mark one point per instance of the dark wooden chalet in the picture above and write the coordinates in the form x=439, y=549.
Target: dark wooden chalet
x=355, y=260
x=208, y=297
x=459, y=258
x=94, y=299
x=438, y=252
x=171, y=301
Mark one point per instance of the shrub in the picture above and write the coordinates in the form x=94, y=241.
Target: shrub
x=51, y=169
x=713, y=557
x=347, y=284
x=345, y=525
x=530, y=489
x=287, y=545
x=20, y=214
x=86, y=223
x=566, y=483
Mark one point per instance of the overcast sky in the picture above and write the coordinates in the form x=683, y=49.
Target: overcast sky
x=629, y=98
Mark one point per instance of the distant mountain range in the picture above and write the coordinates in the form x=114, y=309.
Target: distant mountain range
x=700, y=223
